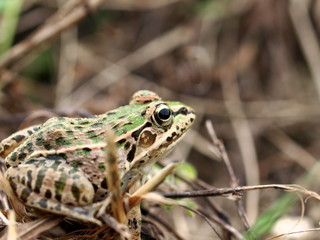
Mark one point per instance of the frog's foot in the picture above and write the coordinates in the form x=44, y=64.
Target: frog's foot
x=82, y=213
x=53, y=186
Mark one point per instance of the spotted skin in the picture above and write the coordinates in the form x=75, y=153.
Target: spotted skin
x=59, y=167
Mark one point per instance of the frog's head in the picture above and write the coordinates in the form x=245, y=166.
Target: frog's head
x=156, y=126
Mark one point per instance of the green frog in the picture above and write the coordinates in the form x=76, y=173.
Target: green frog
x=59, y=166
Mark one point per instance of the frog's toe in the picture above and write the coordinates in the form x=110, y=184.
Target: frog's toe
x=83, y=213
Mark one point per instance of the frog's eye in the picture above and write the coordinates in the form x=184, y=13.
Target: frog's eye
x=163, y=115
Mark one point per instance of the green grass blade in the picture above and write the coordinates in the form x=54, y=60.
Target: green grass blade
x=10, y=15
x=280, y=207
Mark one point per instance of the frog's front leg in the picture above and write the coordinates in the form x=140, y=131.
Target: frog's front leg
x=7, y=145
x=53, y=186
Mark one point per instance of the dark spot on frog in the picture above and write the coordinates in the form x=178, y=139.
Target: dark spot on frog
x=22, y=156
x=141, y=162
x=104, y=183
x=39, y=141
x=61, y=141
x=91, y=133
x=39, y=179
x=135, y=223
x=34, y=161
x=58, y=207
x=70, y=133
x=97, y=124
x=127, y=145
x=48, y=194
x=55, y=157
x=121, y=141
x=169, y=139
x=36, y=128
x=115, y=126
x=101, y=167
x=18, y=138
x=110, y=113
x=58, y=197
x=13, y=185
x=183, y=111
x=29, y=132
x=86, y=149
x=95, y=187
x=121, y=117
x=191, y=119
x=25, y=194
x=143, y=112
x=43, y=203
x=13, y=156
x=29, y=147
x=47, y=146
x=55, y=164
x=29, y=178
x=103, y=195
x=85, y=122
x=63, y=155
x=131, y=153
x=23, y=180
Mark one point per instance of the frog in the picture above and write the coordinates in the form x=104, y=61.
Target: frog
x=59, y=166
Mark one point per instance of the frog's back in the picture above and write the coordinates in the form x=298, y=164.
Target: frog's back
x=57, y=135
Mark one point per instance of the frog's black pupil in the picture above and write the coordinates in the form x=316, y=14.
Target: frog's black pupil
x=164, y=114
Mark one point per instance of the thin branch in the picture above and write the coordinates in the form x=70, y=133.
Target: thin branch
x=226, y=160
x=237, y=191
x=48, y=31
x=162, y=222
x=241, y=127
x=205, y=218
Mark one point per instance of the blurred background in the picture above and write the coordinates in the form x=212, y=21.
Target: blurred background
x=251, y=67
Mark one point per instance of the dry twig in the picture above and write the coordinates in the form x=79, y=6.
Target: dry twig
x=60, y=21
